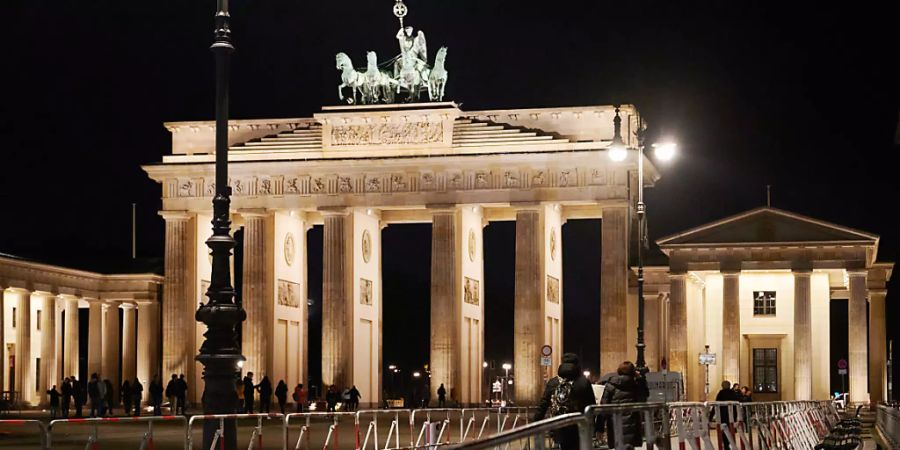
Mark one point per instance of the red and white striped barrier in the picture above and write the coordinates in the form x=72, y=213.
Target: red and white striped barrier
x=397, y=417
x=94, y=442
x=256, y=437
x=17, y=423
x=330, y=423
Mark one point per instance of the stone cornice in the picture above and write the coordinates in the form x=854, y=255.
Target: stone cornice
x=58, y=280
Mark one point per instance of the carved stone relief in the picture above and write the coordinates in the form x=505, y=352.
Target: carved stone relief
x=471, y=291
x=553, y=244
x=388, y=134
x=289, y=249
x=365, y=291
x=366, y=246
x=473, y=250
x=288, y=294
x=552, y=289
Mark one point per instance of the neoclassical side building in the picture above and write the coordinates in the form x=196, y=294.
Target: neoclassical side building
x=39, y=311
x=358, y=169
x=756, y=288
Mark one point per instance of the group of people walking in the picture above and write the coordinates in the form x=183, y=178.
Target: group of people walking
x=100, y=396
x=246, y=392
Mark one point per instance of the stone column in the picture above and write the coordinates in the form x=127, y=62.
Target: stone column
x=48, y=345
x=147, y=343
x=652, y=305
x=877, y=346
x=111, y=350
x=802, y=335
x=731, y=326
x=256, y=297
x=129, y=344
x=445, y=311
x=528, y=317
x=678, y=355
x=95, y=336
x=24, y=381
x=336, y=294
x=179, y=301
x=856, y=317
x=613, y=287
x=70, y=349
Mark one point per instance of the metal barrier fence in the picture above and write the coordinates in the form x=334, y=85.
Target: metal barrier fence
x=398, y=418
x=93, y=441
x=330, y=429
x=887, y=426
x=651, y=419
x=534, y=434
x=42, y=429
x=256, y=436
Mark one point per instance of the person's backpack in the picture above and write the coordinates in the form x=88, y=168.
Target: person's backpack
x=561, y=399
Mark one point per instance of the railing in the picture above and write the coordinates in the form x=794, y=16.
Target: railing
x=652, y=420
x=534, y=434
x=308, y=424
x=398, y=418
x=256, y=437
x=94, y=441
x=887, y=425
x=42, y=429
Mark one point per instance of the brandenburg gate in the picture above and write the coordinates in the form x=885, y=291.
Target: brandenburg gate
x=357, y=169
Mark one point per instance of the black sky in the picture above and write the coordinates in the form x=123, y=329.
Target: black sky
x=803, y=97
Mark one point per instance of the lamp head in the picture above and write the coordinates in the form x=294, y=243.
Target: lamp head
x=665, y=150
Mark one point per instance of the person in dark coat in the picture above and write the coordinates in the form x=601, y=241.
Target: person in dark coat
x=248, y=393
x=181, y=394
x=627, y=386
x=137, y=396
x=354, y=398
x=332, y=397
x=110, y=400
x=442, y=395
x=727, y=394
x=568, y=392
x=281, y=394
x=265, y=394
x=156, y=394
x=79, y=396
x=54, y=401
x=171, y=386
x=125, y=394
x=66, y=397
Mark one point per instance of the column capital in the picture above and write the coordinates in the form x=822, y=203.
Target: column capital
x=801, y=272
x=326, y=211
x=127, y=305
x=857, y=273
x=882, y=293
x=250, y=213
x=527, y=206
x=677, y=275
x=730, y=273
x=442, y=208
x=175, y=216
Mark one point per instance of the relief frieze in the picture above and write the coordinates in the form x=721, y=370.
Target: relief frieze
x=388, y=134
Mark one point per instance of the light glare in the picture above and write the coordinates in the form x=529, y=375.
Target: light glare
x=665, y=151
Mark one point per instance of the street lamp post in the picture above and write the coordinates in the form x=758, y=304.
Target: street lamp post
x=618, y=152
x=220, y=353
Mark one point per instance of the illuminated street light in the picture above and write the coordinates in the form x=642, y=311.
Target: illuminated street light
x=392, y=367
x=664, y=151
x=416, y=374
x=587, y=373
x=507, y=366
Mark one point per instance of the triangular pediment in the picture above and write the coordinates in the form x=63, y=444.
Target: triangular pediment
x=768, y=227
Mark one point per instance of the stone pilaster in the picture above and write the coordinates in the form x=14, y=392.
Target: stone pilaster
x=652, y=307
x=613, y=287
x=856, y=317
x=70, y=347
x=257, y=294
x=336, y=295
x=445, y=307
x=111, y=350
x=24, y=380
x=147, y=343
x=179, y=300
x=877, y=346
x=802, y=335
x=731, y=326
x=528, y=319
x=3, y=356
x=678, y=355
x=95, y=337
x=48, y=345
x=129, y=343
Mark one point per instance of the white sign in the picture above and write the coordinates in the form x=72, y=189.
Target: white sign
x=545, y=361
x=497, y=387
x=842, y=371
x=546, y=350
x=707, y=359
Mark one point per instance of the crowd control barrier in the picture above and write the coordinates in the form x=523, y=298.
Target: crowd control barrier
x=326, y=423
x=887, y=426
x=533, y=435
x=94, y=441
x=256, y=436
x=654, y=419
x=368, y=419
x=41, y=429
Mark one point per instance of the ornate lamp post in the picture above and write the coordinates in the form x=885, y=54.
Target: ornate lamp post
x=618, y=152
x=220, y=352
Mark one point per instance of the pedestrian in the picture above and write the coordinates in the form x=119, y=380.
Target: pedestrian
x=354, y=398
x=281, y=394
x=248, y=393
x=137, y=396
x=746, y=395
x=54, y=401
x=265, y=394
x=78, y=394
x=299, y=397
x=101, y=397
x=125, y=394
x=93, y=394
x=627, y=386
x=156, y=394
x=66, y=397
x=726, y=394
x=567, y=392
x=170, y=393
x=110, y=398
x=442, y=395
x=181, y=395
x=332, y=397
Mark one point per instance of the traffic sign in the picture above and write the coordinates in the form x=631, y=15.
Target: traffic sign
x=546, y=350
x=497, y=387
x=842, y=364
x=842, y=371
x=545, y=361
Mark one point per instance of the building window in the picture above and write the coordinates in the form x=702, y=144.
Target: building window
x=763, y=303
x=765, y=370
x=38, y=320
x=14, y=317
x=37, y=375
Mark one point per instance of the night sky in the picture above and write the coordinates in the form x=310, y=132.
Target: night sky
x=804, y=98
